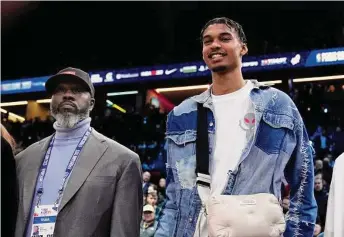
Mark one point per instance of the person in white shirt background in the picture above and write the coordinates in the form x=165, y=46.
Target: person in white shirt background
x=334, y=226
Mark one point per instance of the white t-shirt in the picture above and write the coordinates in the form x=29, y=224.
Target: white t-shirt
x=234, y=123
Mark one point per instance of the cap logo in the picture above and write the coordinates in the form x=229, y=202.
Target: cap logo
x=68, y=72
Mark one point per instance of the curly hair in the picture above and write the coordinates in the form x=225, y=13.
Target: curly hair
x=230, y=24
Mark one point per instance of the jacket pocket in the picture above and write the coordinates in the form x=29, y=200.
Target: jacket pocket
x=182, y=156
x=272, y=131
x=183, y=138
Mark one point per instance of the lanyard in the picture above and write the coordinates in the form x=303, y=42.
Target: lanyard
x=68, y=170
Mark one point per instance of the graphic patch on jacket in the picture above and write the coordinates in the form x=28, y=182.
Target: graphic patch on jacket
x=247, y=124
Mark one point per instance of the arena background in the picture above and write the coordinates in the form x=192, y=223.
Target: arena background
x=145, y=58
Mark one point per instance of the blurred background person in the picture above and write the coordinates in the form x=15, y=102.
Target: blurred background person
x=321, y=198
x=285, y=204
x=152, y=199
x=9, y=192
x=161, y=191
x=334, y=226
x=317, y=230
x=146, y=181
x=149, y=223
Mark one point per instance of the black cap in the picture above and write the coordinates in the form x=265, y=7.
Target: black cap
x=68, y=74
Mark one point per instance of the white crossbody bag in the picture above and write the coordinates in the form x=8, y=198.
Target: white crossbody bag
x=256, y=215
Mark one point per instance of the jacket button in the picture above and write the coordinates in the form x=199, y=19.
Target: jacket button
x=211, y=124
x=190, y=220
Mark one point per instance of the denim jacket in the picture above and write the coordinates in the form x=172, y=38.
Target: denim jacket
x=280, y=147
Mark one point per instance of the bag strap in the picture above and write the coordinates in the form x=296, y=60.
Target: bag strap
x=202, y=147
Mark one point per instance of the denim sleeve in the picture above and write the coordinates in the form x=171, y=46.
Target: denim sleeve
x=168, y=214
x=300, y=175
x=167, y=220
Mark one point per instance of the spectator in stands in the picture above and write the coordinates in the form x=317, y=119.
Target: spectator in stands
x=317, y=230
x=146, y=176
x=338, y=140
x=152, y=199
x=258, y=127
x=318, y=166
x=322, y=144
x=327, y=171
x=317, y=133
x=321, y=198
x=152, y=188
x=285, y=204
x=319, y=227
x=161, y=191
x=329, y=159
x=318, y=175
x=9, y=190
x=148, y=224
x=162, y=183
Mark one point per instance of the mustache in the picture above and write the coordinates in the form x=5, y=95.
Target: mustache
x=67, y=103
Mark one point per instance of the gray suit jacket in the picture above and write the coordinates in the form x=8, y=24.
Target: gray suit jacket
x=103, y=196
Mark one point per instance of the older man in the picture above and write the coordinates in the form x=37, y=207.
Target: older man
x=77, y=182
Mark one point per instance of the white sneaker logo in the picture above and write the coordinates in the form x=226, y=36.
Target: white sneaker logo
x=168, y=72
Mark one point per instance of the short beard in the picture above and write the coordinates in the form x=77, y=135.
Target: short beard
x=69, y=119
x=220, y=69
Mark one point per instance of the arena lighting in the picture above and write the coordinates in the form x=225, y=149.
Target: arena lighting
x=20, y=118
x=271, y=82
x=13, y=116
x=43, y=101
x=184, y=88
x=109, y=102
x=311, y=79
x=122, y=93
x=116, y=106
x=13, y=103
x=119, y=108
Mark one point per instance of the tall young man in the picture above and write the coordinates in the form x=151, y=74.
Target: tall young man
x=256, y=137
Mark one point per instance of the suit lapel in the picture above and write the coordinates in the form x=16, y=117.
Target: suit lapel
x=89, y=156
x=32, y=167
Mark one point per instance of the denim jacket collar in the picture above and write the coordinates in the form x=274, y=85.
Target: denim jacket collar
x=205, y=97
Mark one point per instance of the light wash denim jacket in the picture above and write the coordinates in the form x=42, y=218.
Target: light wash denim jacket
x=280, y=147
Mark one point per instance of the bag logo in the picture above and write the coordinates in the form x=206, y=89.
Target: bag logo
x=248, y=202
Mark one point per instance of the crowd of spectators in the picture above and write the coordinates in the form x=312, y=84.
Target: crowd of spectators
x=321, y=106
x=143, y=132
